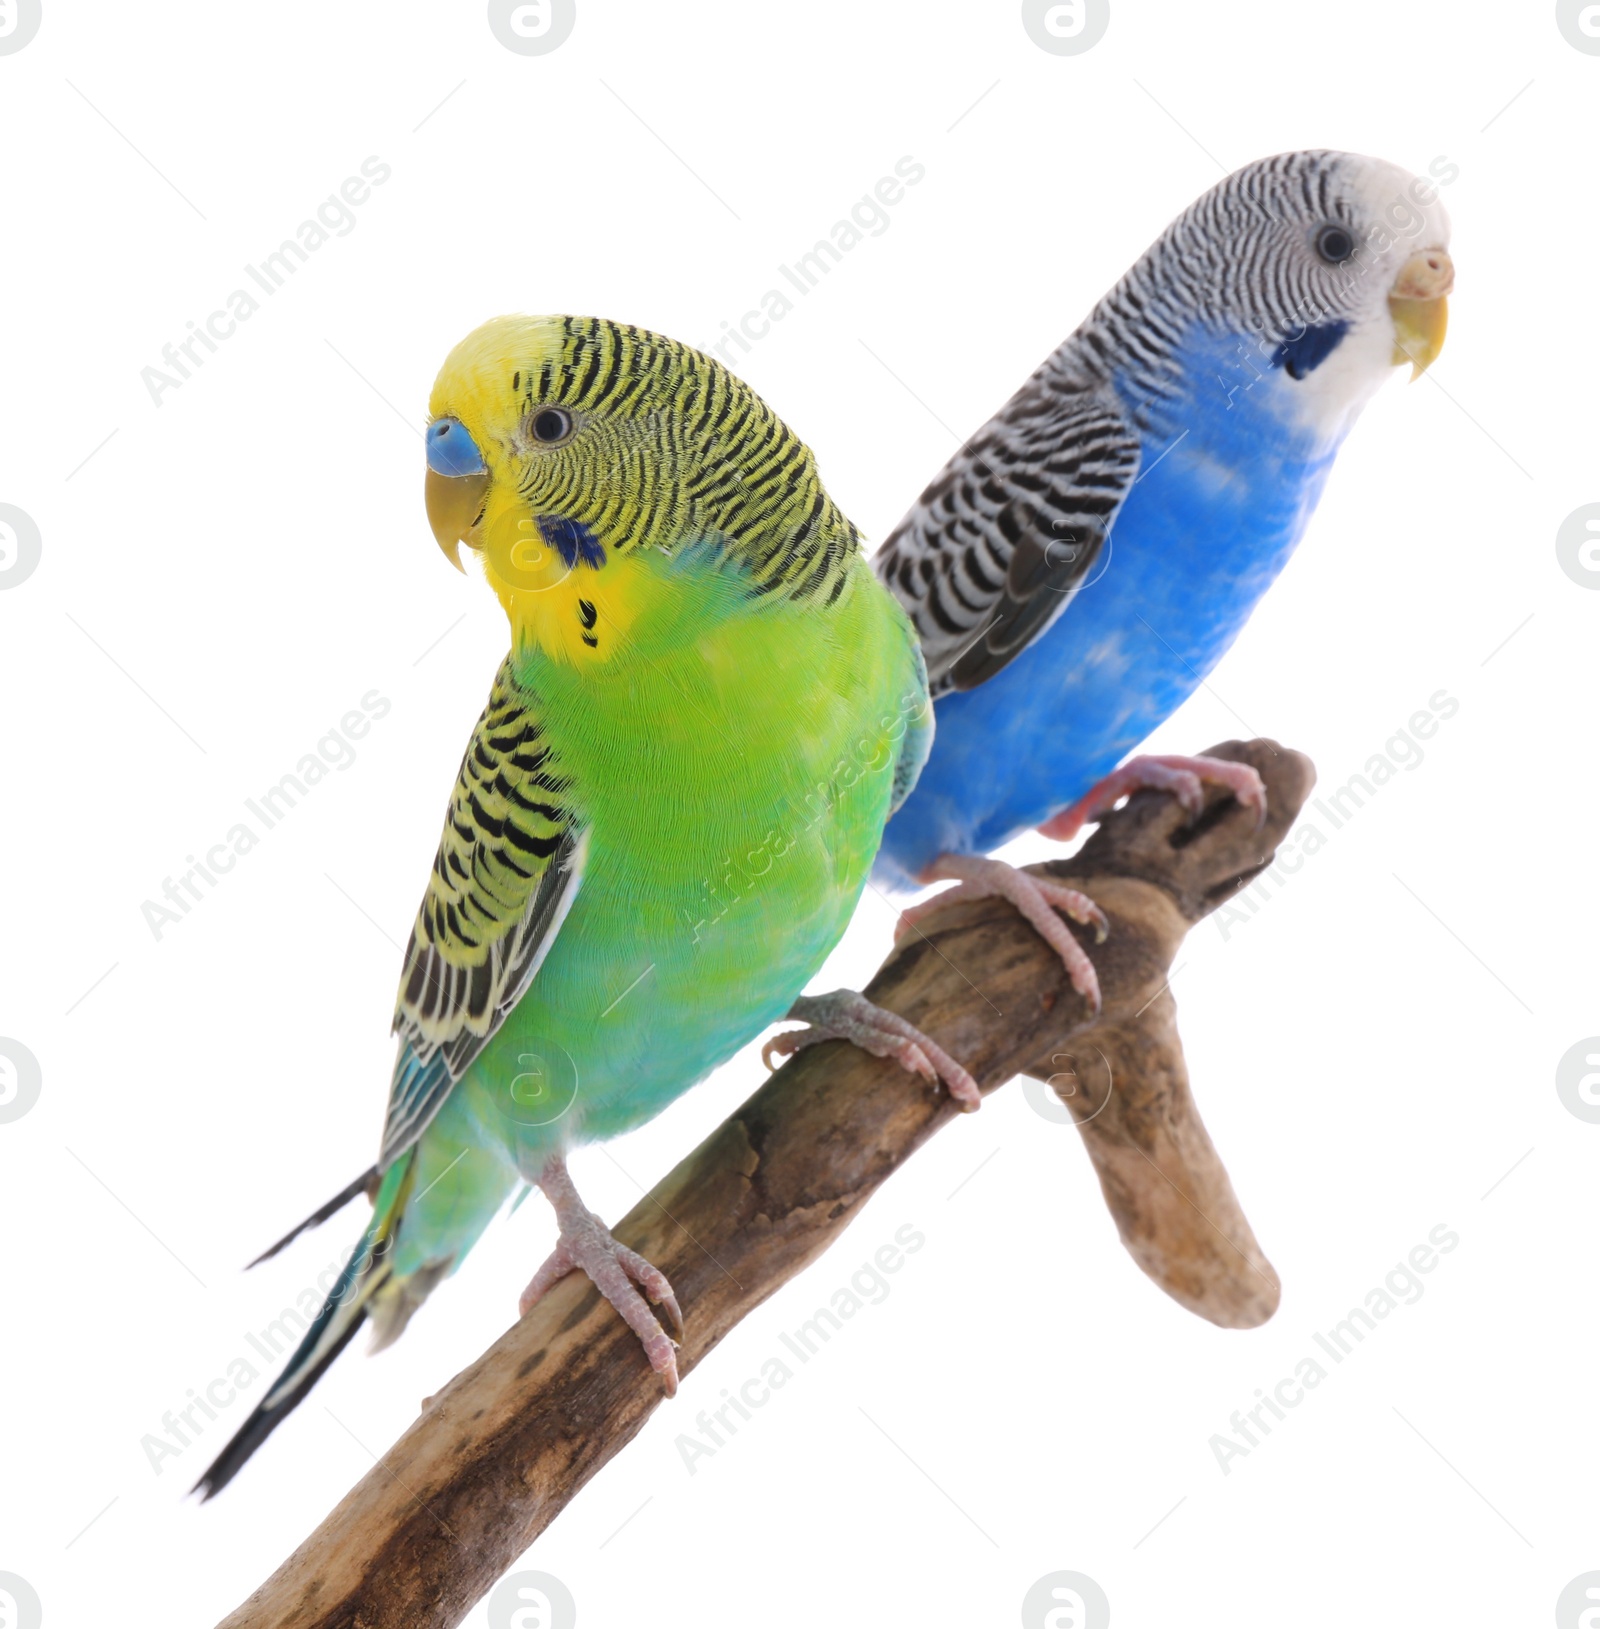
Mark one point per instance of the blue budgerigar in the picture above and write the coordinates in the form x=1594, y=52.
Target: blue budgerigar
x=1084, y=561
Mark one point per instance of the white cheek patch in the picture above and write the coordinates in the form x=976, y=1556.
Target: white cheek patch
x=1328, y=401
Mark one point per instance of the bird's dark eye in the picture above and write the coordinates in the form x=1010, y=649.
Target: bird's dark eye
x=1334, y=244
x=552, y=424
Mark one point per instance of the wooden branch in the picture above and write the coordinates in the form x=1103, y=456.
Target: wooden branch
x=1161, y=1177
x=499, y=1451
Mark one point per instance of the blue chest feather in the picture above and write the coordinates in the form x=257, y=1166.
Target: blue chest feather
x=1226, y=489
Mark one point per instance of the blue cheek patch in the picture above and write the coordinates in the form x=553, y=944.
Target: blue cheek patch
x=451, y=449
x=1304, y=354
x=573, y=541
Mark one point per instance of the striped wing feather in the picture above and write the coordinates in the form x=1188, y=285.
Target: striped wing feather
x=994, y=550
x=509, y=864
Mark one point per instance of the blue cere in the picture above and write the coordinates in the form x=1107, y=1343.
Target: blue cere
x=451, y=450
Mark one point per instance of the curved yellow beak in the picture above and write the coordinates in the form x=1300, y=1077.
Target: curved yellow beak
x=454, y=505
x=1420, y=310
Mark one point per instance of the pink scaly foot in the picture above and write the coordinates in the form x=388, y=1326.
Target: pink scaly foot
x=1185, y=778
x=616, y=1271
x=1037, y=898
x=844, y=1015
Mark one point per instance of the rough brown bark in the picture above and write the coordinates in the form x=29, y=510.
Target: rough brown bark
x=500, y=1450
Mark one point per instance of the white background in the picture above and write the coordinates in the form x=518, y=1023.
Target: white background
x=232, y=570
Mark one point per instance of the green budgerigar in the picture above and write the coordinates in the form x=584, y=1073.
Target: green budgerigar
x=664, y=817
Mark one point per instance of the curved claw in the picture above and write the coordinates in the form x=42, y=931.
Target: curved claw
x=1185, y=778
x=845, y=1015
x=783, y=1045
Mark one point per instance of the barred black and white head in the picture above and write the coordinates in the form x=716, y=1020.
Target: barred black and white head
x=1327, y=268
x=1295, y=287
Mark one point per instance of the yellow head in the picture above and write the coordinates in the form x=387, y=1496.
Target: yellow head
x=566, y=450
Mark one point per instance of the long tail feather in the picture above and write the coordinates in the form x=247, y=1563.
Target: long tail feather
x=348, y=1305
x=366, y=1183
